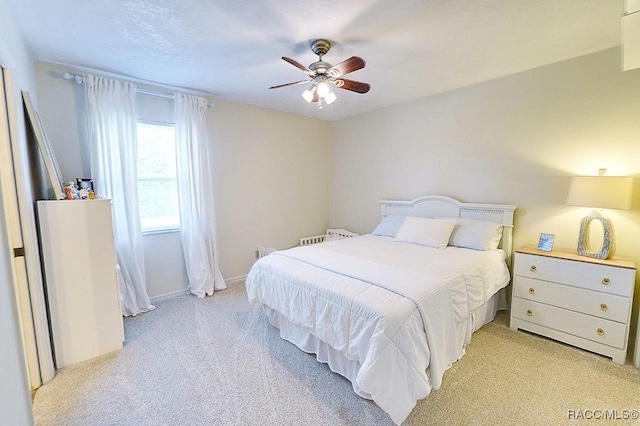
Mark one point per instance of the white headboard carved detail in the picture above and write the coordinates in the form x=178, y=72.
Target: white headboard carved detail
x=441, y=206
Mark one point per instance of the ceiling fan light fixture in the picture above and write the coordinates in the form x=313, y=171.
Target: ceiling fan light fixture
x=322, y=73
x=330, y=98
x=323, y=89
x=309, y=93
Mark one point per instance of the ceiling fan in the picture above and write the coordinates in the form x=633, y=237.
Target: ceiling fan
x=322, y=75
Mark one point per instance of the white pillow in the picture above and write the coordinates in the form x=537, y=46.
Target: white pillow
x=476, y=234
x=389, y=225
x=427, y=232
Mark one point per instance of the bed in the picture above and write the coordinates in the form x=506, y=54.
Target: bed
x=392, y=310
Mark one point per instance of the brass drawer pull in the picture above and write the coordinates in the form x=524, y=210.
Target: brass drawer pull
x=600, y=332
x=606, y=281
x=533, y=268
x=529, y=312
x=532, y=290
x=604, y=307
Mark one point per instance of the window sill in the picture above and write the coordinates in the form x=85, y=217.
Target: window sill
x=160, y=231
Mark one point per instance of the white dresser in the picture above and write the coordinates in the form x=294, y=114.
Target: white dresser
x=80, y=273
x=578, y=300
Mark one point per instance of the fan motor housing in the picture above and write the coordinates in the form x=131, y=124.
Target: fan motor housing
x=320, y=47
x=320, y=67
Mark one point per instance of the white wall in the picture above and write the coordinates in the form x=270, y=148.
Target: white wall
x=271, y=181
x=513, y=140
x=271, y=177
x=164, y=264
x=15, y=400
x=516, y=139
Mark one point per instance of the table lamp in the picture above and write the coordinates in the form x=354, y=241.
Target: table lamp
x=604, y=192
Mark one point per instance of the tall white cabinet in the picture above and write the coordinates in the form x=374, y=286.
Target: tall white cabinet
x=80, y=272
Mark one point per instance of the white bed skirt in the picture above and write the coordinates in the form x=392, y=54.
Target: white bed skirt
x=338, y=363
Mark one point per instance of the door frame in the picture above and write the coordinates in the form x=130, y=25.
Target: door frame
x=20, y=215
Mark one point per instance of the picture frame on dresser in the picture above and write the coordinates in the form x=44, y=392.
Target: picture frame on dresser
x=545, y=243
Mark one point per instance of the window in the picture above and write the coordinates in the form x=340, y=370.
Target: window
x=157, y=178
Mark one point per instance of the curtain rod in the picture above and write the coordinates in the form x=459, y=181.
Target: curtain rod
x=79, y=79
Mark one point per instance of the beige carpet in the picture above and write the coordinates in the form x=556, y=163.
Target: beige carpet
x=217, y=361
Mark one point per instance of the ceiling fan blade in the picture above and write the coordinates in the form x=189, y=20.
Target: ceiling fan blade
x=354, y=86
x=295, y=83
x=352, y=64
x=297, y=65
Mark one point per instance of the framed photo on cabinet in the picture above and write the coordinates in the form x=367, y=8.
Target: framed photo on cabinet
x=85, y=183
x=545, y=243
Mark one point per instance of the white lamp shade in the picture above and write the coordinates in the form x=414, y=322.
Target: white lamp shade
x=607, y=192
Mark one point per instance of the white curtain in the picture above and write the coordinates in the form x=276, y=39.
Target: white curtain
x=195, y=189
x=112, y=138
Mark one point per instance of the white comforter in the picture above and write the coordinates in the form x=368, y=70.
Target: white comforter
x=399, y=310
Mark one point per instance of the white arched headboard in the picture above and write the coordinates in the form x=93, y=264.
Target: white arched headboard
x=441, y=206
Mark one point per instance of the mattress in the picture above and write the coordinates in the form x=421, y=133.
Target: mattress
x=396, y=314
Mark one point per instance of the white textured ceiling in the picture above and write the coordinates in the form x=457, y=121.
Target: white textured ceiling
x=232, y=48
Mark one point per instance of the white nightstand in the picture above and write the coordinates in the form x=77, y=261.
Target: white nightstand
x=582, y=301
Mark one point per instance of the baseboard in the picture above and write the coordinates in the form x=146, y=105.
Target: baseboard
x=166, y=296
x=235, y=280
x=229, y=282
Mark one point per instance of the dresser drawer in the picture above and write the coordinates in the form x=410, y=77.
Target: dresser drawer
x=608, y=279
x=603, y=305
x=591, y=328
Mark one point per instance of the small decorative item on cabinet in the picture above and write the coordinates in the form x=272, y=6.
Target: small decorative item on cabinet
x=546, y=242
x=85, y=188
x=71, y=191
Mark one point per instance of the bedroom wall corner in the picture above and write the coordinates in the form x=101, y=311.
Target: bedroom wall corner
x=271, y=181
